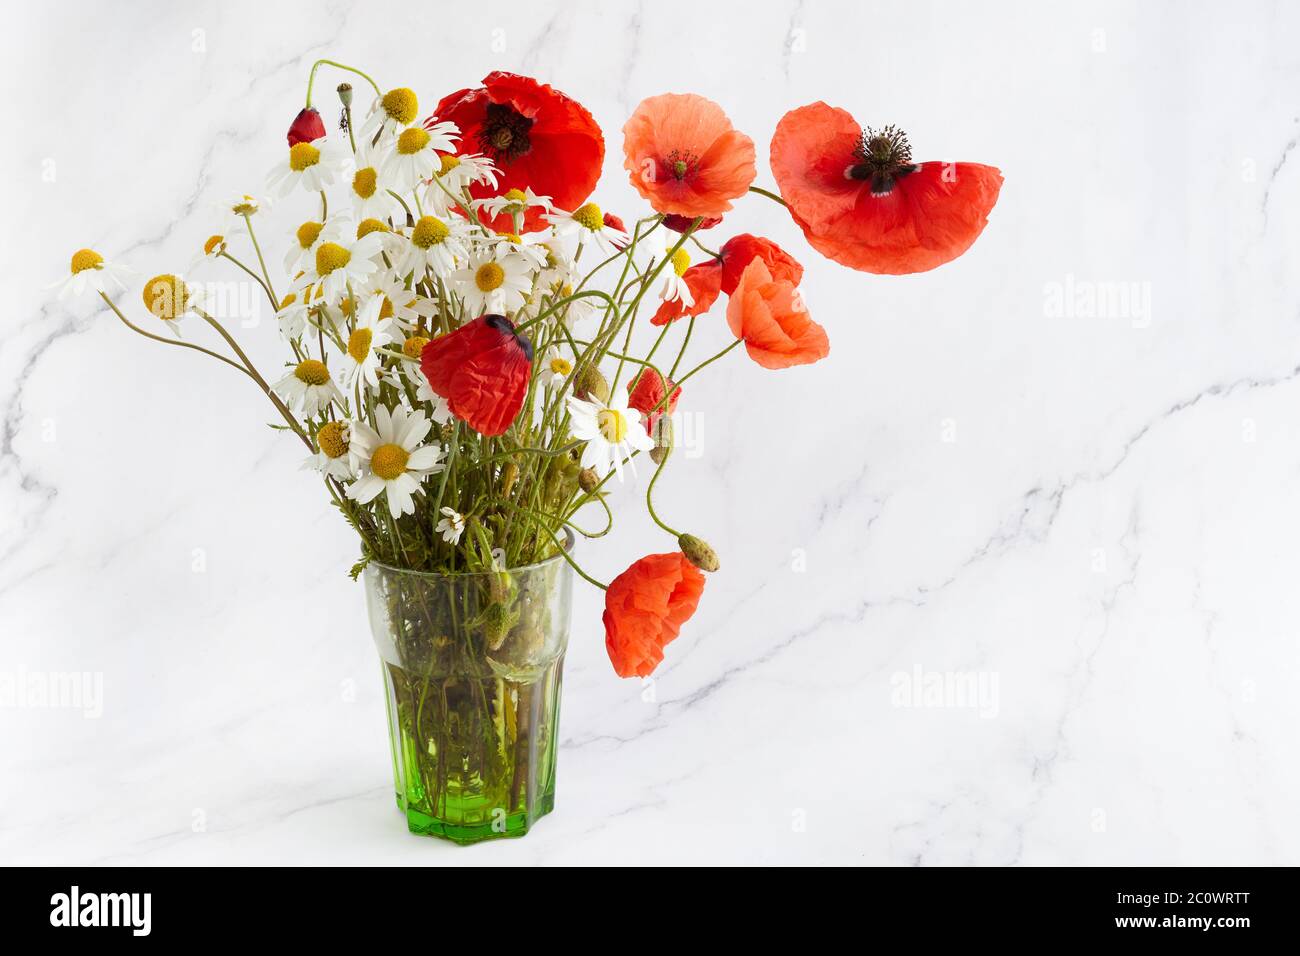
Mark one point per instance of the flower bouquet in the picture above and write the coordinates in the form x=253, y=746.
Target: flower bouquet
x=461, y=371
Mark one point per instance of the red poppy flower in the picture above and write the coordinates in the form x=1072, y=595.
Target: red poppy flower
x=645, y=607
x=646, y=391
x=306, y=126
x=861, y=201
x=683, y=156
x=739, y=251
x=682, y=223
x=482, y=369
x=773, y=321
x=705, y=282
x=537, y=136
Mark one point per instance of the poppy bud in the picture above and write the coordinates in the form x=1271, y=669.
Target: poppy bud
x=591, y=384
x=345, y=95
x=663, y=436
x=306, y=126
x=588, y=480
x=681, y=223
x=698, y=552
x=498, y=622
x=509, y=475
x=482, y=369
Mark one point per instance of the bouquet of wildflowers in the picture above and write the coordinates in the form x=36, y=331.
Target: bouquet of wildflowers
x=458, y=318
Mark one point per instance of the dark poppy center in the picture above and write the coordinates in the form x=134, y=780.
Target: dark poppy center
x=505, y=133
x=506, y=327
x=682, y=164
x=883, y=157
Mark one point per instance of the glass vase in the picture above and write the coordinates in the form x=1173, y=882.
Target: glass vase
x=472, y=669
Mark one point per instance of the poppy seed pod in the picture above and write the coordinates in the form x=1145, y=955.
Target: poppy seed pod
x=345, y=95
x=698, y=552
x=663, y=436
x=588, y=480
x=590, y=384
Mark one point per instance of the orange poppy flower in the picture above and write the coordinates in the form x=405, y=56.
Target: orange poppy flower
x=645, y=607
x=861, y=201
x=705, y=282
x=684, y=157
x=739, y=251
x=770, y=316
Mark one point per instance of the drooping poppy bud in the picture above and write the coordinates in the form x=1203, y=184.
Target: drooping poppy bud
x=306, y=127
x=739, y=251
x=698, y=551
x=482, y=369
x=645, y=607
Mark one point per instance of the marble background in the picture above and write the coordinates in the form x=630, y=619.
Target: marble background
x=1062, y=470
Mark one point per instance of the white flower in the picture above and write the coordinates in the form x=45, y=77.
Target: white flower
x=372, y=332
x=414, y=156
x=89, y=272
x=516, y=202
x=434, y=244
x=457, y=174
x=674, y=287
x=612, y=433
x=491, y=284
x=309, y=237
x=309, y=388
x=588, y=223
x=293, y=311
x=392, y=459
x=211, y=251
x=340, y=264
x=312, y=166
x=555, y=369
x=531, y=246
x=405, y=305
x=171, y=299
x=371, y=198
x=451, y=527
x=333, y=459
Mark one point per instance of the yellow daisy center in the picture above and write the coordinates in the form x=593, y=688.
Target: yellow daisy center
x=312, y=372
x=429, y=231
x=166, y=296
x=561, y=366
x=489, y=277
x=245, y=207
x=413, y=346
x=401, y=104
x=331, y=256
x=213, y=244
x=512, y=237
x=303, y=155
x=84, y=259
x=589, y=216
x=389, y=461
x=681, y=261
x=517, y=195
x=332, y=440
x=363, y=183
x=386, y=308
x=612, y=424
x=449, y=162
x=288, y=300
x=412, y=141
x=359, y=344
x=308, y=233
x=366, y=226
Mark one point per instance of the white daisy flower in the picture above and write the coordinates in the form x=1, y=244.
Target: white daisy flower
x=560, y=267
x=588, y=223
x=390, y=114
x=491, y=284
x=405, y=305
x=234, y=212
x=333, y=459
x=89, y=272
x=371, y=198
x=434, y=244
x=169, y=298
x=392, y=459
x=414, y=156
x=307, y=239
x=340, y=264
x=555, y=369
x=515, y=202
x=372, y=332
x=674, y=287
x=211, y=251
x=452, y=525
x=531, y=246
x=611, y=430
x=309, y=388
x=293, y=312
x=457, y=174
x=311, y=166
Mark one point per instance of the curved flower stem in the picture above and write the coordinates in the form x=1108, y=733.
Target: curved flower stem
x=708, y=361
x=166, y=341
x=681, y=353
x=563, y=551
x=649, y=504
x=311, y=77
x=270, y=286
x=705, y=249
x=772, y=196
x=258, y=279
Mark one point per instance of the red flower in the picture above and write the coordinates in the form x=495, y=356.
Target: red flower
x=306, y=126
x=646, y=391
x=537, y=137
x=682, y=223
x=861, y=201
x=705, y=282
x=739, y=251
x=614, y=222
x=645, y=607
x=482, y=369
x=773, y=321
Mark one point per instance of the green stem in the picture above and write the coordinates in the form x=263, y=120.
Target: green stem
x=772, y=196
x=311, y=77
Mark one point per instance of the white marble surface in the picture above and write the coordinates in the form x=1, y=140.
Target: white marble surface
x=1093, y=516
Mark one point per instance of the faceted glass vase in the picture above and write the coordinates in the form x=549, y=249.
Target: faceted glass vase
x=472, y=669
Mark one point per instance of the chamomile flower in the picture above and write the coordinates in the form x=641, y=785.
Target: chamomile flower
x=235, y=213
x=392, y=460
x=555, y=369
x=211, y=251
x=309, y=388
x=372, y=332
x=90, y=273
x=405, y=305
x=560, y=268
x=414, y=156
x=457, y=174
x=434, y=244
x=293, y=312
x=578, y=314
x=390, y=114
x=452, y=525
x=611, y=430
x=394, y=243
x=588, y=223
x=340, y=264
x=439, y=407
x=674, y=287
x=332, y=460
x=169, y=298
x=370, y=196
x=491, y=284
x=308, y=238
x=514, y=202
x=310, y=166
x=531, y=246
